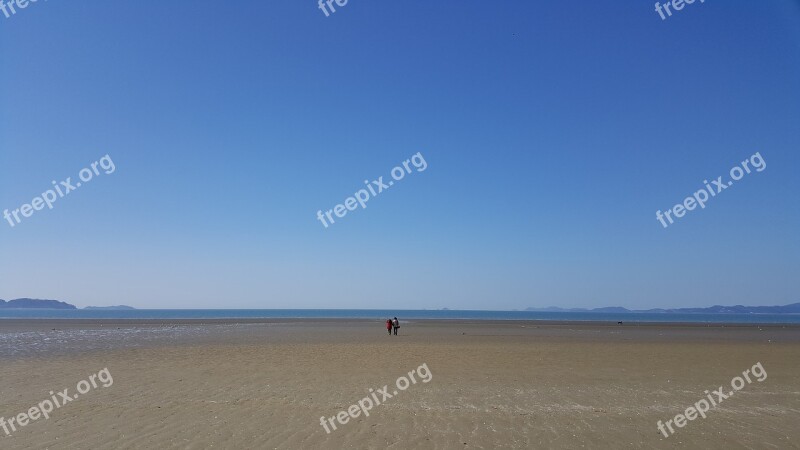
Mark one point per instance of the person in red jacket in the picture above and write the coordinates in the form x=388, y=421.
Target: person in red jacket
x=389, y=326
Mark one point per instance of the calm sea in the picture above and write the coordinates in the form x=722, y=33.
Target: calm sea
x=383, y=314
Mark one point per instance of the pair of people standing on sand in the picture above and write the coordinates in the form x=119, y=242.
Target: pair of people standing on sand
x=392, y=324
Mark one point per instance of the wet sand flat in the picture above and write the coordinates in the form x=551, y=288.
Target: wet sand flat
x=265, y=384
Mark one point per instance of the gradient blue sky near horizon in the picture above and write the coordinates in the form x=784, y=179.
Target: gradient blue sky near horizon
x=553, y=131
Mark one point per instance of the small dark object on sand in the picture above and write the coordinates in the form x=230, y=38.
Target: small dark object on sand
x=619, y=323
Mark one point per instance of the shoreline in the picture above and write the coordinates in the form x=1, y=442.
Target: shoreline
x=43, y=337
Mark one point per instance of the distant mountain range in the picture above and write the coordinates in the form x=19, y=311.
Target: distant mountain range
x=794, y=308
x=33, y=303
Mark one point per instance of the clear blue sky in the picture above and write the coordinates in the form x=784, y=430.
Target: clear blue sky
x=553, y=131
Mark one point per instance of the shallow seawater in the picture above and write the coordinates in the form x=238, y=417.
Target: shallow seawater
x=71, y=340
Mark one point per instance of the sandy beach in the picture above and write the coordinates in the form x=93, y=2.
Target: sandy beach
x=266, y=383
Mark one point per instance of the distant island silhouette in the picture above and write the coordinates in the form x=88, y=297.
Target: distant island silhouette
x=793, y=308
x=35, y=303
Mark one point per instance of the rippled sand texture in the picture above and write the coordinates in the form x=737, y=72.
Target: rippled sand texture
x=517, y=385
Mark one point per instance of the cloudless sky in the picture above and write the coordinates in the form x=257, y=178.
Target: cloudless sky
x=553, y=132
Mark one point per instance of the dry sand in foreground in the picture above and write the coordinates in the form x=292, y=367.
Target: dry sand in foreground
x=509, y=384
